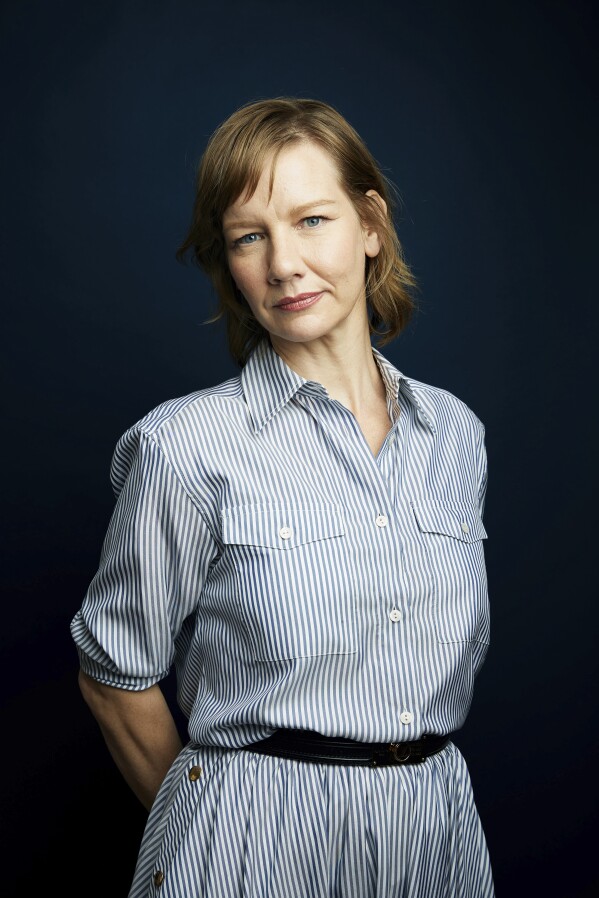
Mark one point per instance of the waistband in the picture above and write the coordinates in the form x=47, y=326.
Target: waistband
x=306, y=745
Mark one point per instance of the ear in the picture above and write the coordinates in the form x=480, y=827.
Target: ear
x=372, y=243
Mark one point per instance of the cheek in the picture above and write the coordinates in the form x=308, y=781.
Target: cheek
x=343, y=260
x=243, y=274
x=248, y=280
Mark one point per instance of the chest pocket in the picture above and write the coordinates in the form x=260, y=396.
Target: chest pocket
x=294, y=579
x=452, y=533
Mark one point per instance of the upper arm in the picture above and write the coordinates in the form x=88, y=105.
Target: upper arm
x=153, y=564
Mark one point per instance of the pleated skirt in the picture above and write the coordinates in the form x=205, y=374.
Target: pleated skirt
x=231, y=823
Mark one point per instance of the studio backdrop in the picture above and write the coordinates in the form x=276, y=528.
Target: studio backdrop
x=484, y=117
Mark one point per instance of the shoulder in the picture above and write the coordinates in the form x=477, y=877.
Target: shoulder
x=184, y=420
x=175, y=413
x=447, y=410
x=459, y=434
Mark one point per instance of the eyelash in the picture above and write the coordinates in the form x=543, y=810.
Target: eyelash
x=238, y=243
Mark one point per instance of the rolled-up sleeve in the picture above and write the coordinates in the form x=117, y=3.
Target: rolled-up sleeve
x=153, y=564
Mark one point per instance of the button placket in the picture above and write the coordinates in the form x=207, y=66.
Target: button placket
x=380, y=490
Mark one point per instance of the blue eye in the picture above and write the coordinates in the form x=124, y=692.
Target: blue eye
x=313, y=220
x=246, y=240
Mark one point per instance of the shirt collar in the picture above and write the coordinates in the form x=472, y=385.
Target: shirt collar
x=268, y=384
x=415, y=392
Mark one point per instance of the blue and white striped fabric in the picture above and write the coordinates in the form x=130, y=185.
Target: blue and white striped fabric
x=295, y=580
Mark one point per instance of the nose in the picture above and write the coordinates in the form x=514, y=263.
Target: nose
x=284, y=259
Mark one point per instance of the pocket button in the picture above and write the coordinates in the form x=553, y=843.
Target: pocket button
x=465, y=527
x=285, y=532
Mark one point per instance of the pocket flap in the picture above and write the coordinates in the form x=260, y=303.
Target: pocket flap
x=451, y=517
x=281, y=527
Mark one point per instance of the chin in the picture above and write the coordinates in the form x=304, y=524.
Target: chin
x=300, y=334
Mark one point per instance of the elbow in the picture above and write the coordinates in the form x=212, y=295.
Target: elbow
x=87, y=687
x=94, y=693
x=106, y=702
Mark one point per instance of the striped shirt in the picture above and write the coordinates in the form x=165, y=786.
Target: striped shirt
x=292, y=578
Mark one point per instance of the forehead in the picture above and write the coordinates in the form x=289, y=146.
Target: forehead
x=299, y=173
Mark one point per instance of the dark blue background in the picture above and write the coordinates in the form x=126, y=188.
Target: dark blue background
x=485, y=117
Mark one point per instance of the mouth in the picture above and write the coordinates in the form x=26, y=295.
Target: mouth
x=294, y=303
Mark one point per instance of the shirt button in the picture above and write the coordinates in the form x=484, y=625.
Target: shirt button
x=285, y=532
x=392, y=438
x=406, y=717
x=194, y=774
x=158, y=878
x=395, y=615
x=465, y=527
x=381, y=521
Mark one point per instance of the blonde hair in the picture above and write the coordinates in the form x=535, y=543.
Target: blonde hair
x=233, y=162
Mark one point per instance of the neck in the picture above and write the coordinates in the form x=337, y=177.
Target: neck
x=348, y=370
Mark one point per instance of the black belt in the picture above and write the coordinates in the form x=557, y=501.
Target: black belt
x=305, y=745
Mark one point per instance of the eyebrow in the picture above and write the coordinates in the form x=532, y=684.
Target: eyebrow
x=297, y=210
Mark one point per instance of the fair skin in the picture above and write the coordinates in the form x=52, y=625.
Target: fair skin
x=306, y=237
x=140, y=733
x=278, y=246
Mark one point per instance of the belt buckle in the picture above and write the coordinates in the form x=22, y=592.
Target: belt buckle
x=402, y=753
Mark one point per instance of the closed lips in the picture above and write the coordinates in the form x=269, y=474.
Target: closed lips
x=301, y=297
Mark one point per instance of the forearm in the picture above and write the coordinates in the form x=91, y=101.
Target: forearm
x=140, y=733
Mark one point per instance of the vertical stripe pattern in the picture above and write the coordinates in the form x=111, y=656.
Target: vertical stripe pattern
x=294, y=580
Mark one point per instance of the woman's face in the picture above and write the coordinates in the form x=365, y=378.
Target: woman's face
x=304, y=242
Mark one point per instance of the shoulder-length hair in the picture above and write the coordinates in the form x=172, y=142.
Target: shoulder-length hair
x=233, y=162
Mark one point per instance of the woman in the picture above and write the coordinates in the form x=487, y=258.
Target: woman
x=304, y=543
